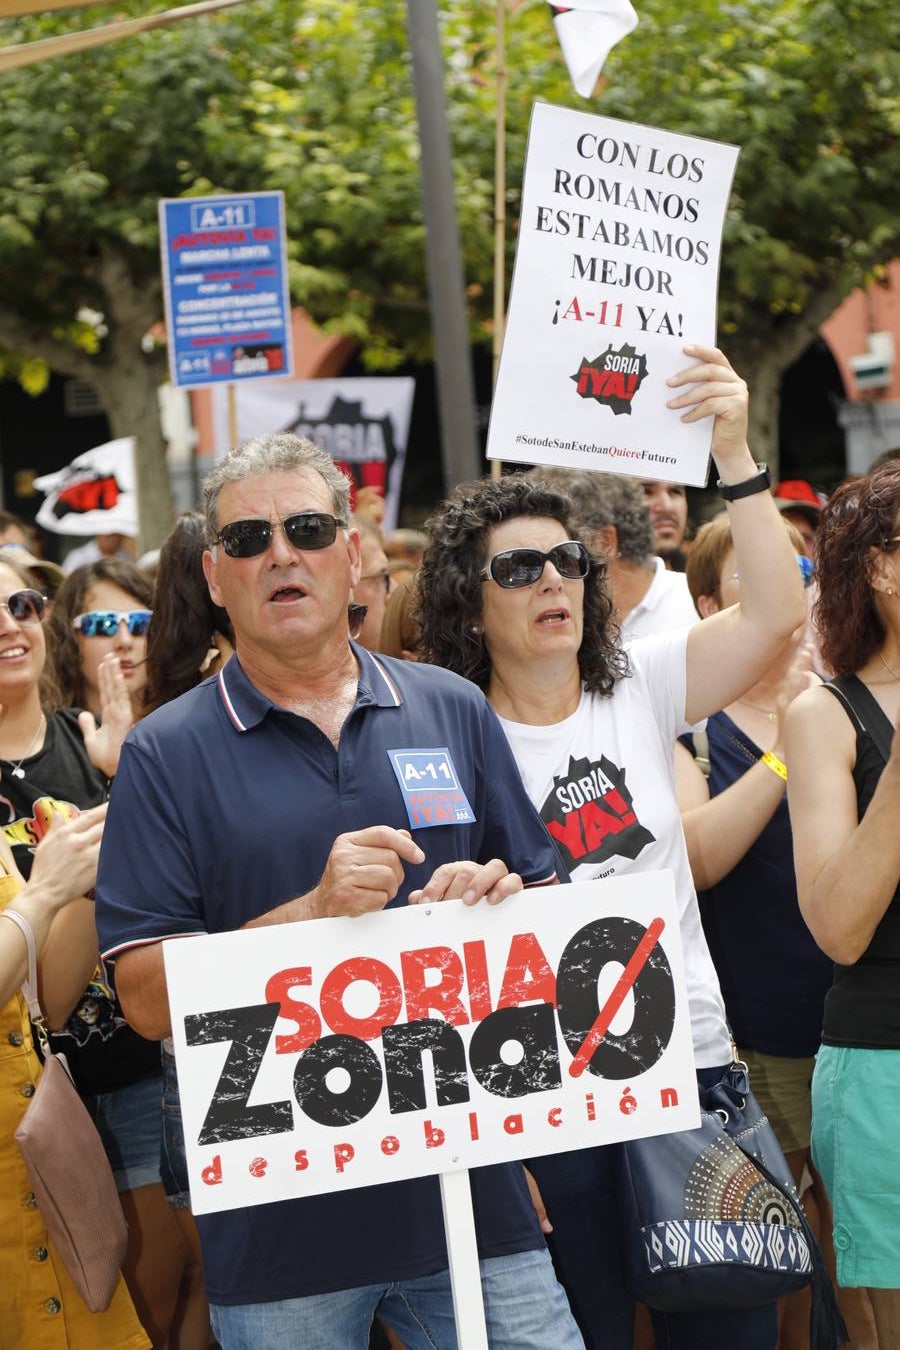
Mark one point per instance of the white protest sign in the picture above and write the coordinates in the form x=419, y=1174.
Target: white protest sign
x=362, y=422
x=616, y=269
x=337, y=1053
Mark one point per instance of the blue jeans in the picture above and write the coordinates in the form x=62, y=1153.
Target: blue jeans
x=525, y=1309
x=128, y=1121
x=173, y=1162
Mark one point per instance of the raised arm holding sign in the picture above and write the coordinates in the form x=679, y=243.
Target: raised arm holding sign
x=616, y=268
x=512, y=598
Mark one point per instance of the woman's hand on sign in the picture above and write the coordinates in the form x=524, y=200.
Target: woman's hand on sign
x=469, y=882
x=714, y=389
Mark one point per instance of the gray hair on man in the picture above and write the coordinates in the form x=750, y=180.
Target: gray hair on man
x=603, y=499
x=281, y=452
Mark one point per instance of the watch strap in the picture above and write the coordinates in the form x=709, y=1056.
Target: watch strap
x=760, y=482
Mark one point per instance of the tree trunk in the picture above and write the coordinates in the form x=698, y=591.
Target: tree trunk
x=763, y=378
x=129, y=390
x=763, y=364
x=128, y=379
x=124, y=375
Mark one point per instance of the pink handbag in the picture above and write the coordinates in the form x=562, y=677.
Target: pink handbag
x=68, y=1167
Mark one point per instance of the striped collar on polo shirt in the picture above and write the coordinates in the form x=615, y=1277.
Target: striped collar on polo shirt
x=246, y=706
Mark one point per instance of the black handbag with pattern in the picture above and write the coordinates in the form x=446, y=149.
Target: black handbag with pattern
x=712, y=1218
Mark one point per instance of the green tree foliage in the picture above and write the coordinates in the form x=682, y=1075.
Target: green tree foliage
x=315, y=97
x=90, y=142
x=343, y=144
x=808, y=89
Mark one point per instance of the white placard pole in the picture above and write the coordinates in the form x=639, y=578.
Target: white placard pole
x=462, y=1251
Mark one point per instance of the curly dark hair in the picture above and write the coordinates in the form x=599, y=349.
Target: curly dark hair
x=184, y=616
x=861, y=516
x=602, y=499
x=65, y=685
x=450, y=583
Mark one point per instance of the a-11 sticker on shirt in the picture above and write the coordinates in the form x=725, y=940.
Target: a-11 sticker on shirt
x=431, y=789
x=590, y=814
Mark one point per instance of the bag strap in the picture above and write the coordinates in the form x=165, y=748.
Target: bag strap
x=864, y=710
x=826, y=1325
x=30, y=983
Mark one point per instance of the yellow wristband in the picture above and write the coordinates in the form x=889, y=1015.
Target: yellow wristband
x=775, y=764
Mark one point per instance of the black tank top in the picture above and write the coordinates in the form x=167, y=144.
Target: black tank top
x=862, y=1008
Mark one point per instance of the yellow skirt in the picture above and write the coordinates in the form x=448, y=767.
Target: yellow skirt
x=40, y=1308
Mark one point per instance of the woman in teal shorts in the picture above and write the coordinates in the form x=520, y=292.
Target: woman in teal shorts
x=844, y=792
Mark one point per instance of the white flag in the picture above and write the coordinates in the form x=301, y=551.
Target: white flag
x=587, y=32
x=95, y=494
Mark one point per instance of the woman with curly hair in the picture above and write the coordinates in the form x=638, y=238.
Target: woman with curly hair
x=844, y=793
x=511, y=599
x=100, y=609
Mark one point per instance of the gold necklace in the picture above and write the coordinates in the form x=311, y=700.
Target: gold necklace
x=893, y=674
x=17, y=771
x=771, y=715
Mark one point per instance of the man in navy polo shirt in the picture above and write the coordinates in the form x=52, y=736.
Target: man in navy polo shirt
x=268, y=794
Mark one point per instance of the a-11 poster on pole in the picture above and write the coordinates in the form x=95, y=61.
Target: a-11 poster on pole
x=616, y=270
x=321, y=1056
x=228, y=311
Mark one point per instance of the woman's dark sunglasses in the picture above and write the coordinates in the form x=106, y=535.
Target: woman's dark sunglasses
x=105, y=622
x=523, y=566
x=307, y=531
x=25, y=606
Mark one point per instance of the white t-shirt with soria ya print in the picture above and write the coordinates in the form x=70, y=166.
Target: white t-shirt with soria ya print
x=603, y=781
